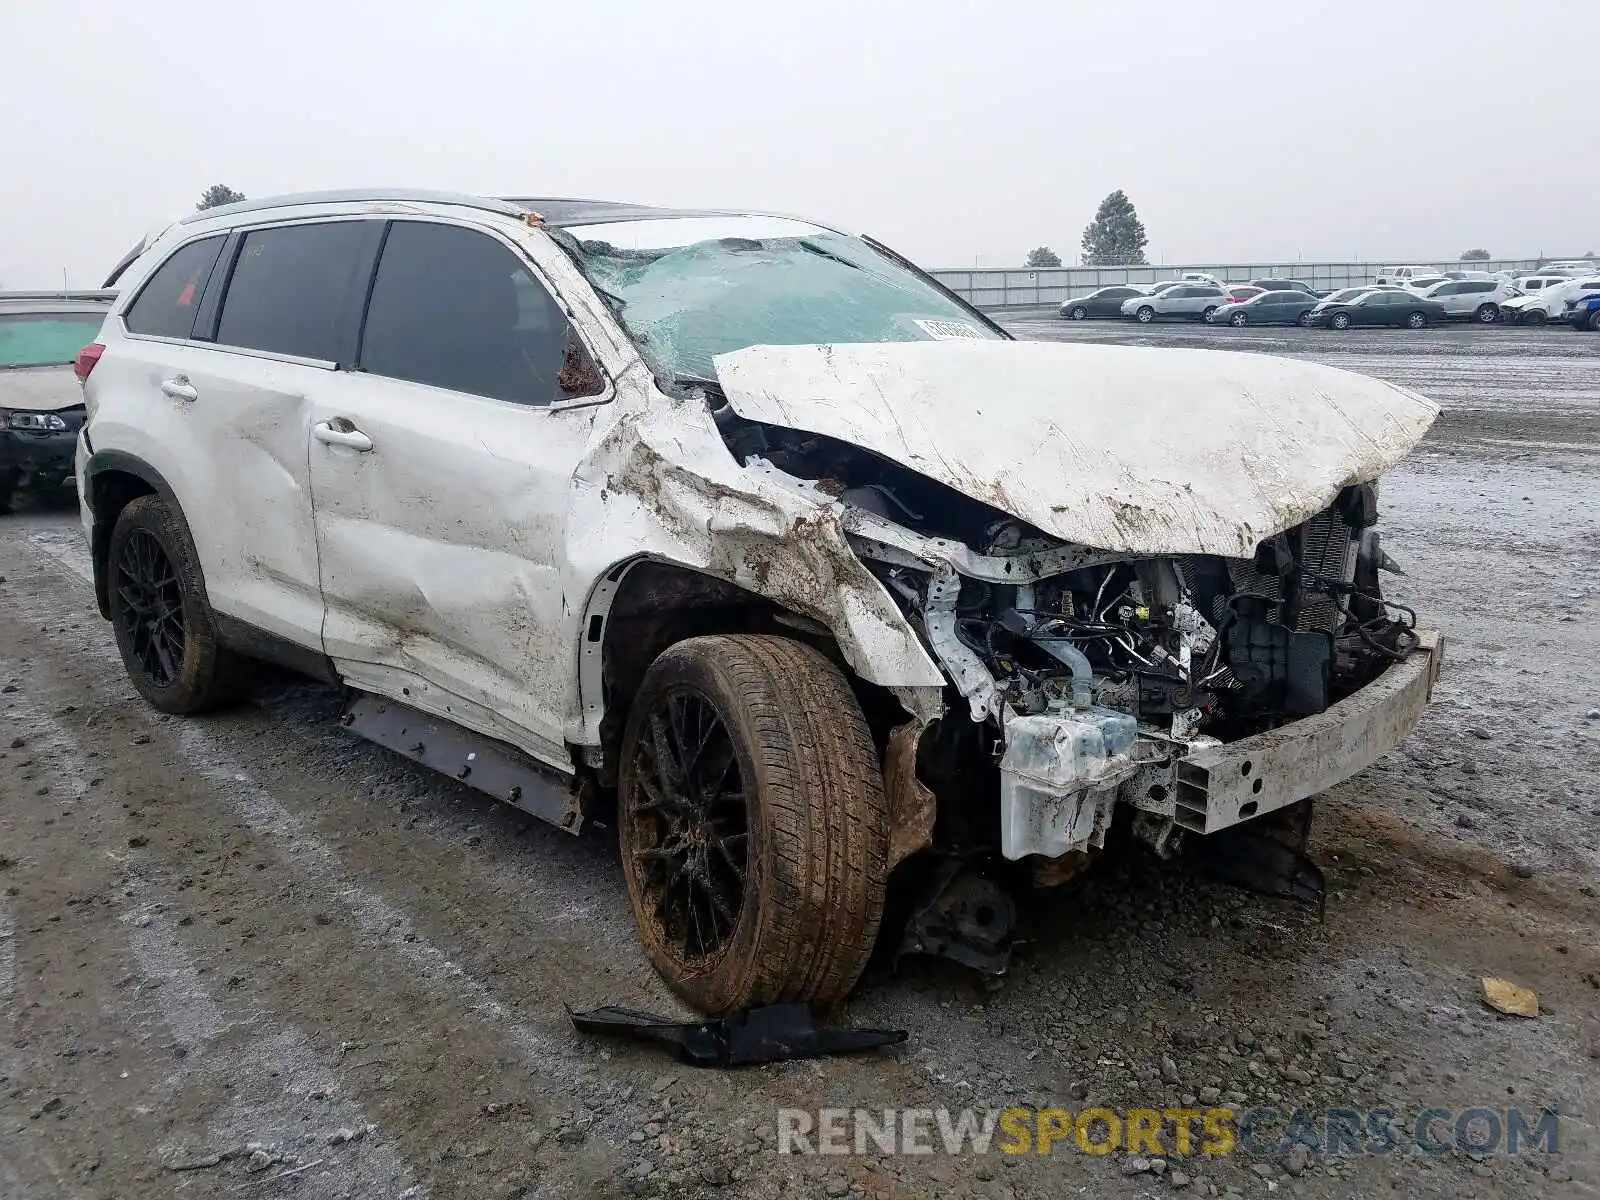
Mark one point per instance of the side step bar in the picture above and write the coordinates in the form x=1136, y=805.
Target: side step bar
x=485, y=763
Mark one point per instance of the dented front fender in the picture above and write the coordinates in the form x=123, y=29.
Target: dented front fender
x=661, y=485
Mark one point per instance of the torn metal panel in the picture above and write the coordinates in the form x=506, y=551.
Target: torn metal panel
x=1137, y=450
x=661, y=484
x=912, y=805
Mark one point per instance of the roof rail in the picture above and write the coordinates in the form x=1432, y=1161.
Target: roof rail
x=509, y=208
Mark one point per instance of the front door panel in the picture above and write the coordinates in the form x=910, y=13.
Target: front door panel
x=441, y=549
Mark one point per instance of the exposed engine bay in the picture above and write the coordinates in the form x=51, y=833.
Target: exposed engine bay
x=1091, y=676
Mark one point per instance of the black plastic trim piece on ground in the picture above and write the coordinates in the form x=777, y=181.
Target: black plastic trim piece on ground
x=775, y=1033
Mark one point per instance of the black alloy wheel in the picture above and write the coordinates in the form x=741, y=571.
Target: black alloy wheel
x=689, y=824
x=151, y=607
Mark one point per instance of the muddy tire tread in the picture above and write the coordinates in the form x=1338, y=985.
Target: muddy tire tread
x=824, y=817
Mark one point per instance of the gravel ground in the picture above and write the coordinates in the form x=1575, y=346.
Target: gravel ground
x=248, y=955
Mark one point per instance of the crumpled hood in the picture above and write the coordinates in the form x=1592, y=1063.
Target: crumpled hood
x=1143, y=451
x=39, y=389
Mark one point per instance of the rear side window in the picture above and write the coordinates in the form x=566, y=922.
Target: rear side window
x=293, y=289
x=1479, y=285
x=453, y=308
x=166, y=305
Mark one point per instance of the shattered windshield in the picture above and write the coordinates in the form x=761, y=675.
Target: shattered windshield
x=690, y=288
x=46, y=339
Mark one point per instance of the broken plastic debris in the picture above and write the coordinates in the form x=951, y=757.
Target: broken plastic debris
x=1504, y=996
x=776, y=1033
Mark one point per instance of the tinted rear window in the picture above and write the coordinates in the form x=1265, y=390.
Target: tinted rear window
x=293, y=288
x=166, y=304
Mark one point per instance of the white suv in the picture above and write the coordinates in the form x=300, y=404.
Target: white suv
x=746, y=534
x=1472, y=299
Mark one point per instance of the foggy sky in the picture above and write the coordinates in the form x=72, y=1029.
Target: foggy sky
x=958, y=133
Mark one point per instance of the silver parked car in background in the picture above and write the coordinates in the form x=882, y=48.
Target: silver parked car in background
x=1186, y=301
x=1472, y=299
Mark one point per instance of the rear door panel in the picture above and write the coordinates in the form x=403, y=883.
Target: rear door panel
x=234, y=455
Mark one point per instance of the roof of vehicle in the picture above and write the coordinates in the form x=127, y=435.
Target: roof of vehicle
x=554, y=210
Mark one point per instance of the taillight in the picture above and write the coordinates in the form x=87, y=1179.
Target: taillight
x=87, y=357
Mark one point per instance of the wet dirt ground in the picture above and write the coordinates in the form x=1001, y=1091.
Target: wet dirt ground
x=247, y=955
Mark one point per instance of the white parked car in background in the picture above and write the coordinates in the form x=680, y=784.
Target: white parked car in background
x=1472, y=299
x=1529, y=284
x=1549, y=302
x=1406, y=275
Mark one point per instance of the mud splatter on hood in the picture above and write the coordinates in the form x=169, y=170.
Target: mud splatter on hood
x=1145, y=451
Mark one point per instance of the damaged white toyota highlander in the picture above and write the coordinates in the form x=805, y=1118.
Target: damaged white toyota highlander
x=747, y=537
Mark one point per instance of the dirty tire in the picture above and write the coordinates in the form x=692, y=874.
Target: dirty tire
x=203, y=675
x=1487, y=314
x=1146, y=314
x=816, y=851
x=1340, y=320
x=1533, y=317
x=1416, y=320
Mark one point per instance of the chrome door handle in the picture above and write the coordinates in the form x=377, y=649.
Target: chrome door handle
x=350, y=439
x=179, y=388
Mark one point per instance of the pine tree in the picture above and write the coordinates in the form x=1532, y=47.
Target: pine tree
x=218, y=194
x=1116, y=237
x=1042, y=256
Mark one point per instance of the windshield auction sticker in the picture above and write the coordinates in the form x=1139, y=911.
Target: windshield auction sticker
x=947, y=331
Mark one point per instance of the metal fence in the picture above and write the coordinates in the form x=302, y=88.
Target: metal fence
x=988, y=287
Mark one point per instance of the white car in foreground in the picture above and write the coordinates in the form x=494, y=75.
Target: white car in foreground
x=743, y=535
